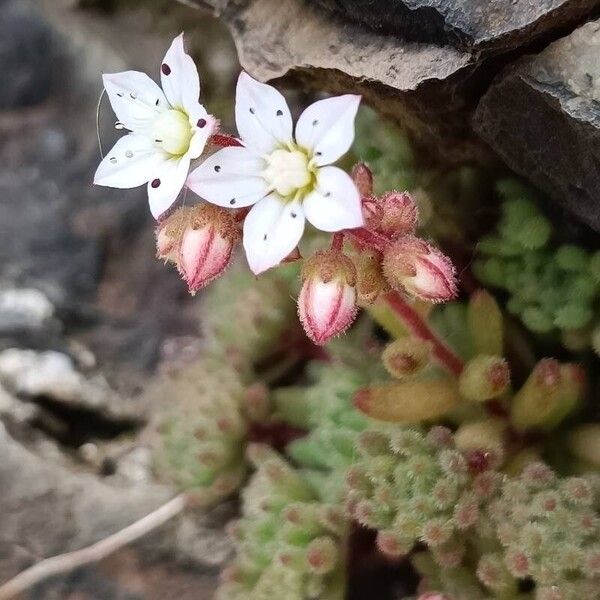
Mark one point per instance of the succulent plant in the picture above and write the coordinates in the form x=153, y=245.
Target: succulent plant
x=549, y=531
x=552, y=288
x=202, y=429
x=416, y=487
x=289, y=545
x=249, y=318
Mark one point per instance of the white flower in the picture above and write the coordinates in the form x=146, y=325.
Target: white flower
x=286, y=177
x=168, y=128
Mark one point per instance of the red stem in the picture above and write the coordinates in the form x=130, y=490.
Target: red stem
x=337, y=241
x=368, y=238
x=419, y=329
x=224, y=140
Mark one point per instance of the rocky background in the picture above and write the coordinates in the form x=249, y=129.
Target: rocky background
x=489, y=81
x=86, y=312
x=87, y=316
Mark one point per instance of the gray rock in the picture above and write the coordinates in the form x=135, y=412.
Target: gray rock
x=542, y=116
x=52, y=376
x=47, y=509
x=478, y=24
x=421, y=86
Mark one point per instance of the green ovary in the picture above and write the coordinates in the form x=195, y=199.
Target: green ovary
x=172, y=132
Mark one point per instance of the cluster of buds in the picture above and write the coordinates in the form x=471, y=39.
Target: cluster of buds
x=388, y=256
x=199, y=240
x=406, y=263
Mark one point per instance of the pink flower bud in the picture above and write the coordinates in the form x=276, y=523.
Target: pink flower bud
x=363, y=179
x=399, y=214
x=206, y=245
x=168, y=234
x=433, y=596
x=327, y=300
x=418, y=268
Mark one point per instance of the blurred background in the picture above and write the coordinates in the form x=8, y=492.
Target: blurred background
x=86, y=311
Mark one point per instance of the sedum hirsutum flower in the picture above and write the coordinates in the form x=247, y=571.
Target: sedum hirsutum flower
x=285, y=176
x=168, y=128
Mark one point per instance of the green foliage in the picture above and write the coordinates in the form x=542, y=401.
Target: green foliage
x=248, y=318
x=289, y=545
x=414, y=487
x=203, y=427
x=549, y=531
x=386, y=150
x=551, y=288
x=483, y=531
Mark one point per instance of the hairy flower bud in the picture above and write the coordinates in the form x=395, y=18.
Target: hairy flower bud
x=370, y=282
x=412, y=265
x=399, y=214
x=169, y=232
x=206, y=244
x=483, y=378
x=363, y=179
x=406, y=357
x=327, y=300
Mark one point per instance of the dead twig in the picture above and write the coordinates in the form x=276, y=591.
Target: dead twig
x=63, y=563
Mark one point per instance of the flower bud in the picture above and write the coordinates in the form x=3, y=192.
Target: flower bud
x=406, y=357
x=169, y=232
x=370, y=282
x=327, y=300
x=483, y=378
x=206, y=245
x=363, y=179
x=412, y=265
x=399, y=214
x=433, y=596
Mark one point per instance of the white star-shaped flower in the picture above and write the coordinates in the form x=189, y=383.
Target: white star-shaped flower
x=287, y=178
x=168, y=126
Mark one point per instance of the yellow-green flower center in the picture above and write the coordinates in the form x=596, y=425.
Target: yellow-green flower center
x=172, y=132
x=288, y=171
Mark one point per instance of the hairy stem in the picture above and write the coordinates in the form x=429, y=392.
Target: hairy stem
x=63, y=563
x=367, y=238
x=420, y=329
x=337, y=241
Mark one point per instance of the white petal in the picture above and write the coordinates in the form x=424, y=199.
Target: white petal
x=335, y=203
x=204, y=126
x=230, y=178
x=135, y=98
x=131, y=162
x=179, y=76
x=272, y=230
x=327, y=127
x=165, y=185
x=262, y=115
